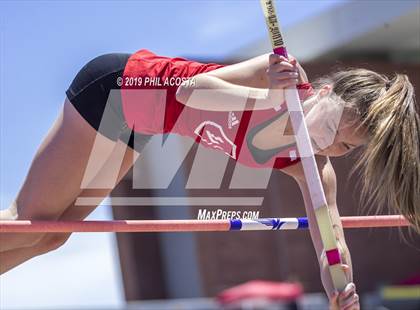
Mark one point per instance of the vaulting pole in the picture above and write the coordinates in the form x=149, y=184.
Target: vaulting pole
x=306, y=154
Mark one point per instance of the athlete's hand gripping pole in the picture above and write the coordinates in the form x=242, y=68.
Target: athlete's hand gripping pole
x=304, y=146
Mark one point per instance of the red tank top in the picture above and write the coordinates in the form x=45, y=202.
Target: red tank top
x=148, y=93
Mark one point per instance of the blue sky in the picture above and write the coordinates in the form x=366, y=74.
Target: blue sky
x=43, y=44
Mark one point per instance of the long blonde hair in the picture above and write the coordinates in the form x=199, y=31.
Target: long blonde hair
x=390, y=163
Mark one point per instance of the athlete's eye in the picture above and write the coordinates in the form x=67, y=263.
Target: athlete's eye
x=347, y=146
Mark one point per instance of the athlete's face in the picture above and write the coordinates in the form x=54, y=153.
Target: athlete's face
x=331, y=127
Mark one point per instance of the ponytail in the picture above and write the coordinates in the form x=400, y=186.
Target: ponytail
x=390, y=164
x=391, y=160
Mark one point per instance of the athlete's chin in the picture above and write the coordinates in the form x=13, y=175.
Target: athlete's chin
x=328, y=154
x=321, y=153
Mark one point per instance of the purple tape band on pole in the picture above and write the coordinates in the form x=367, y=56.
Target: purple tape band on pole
x=281, y=51
x=333, y=257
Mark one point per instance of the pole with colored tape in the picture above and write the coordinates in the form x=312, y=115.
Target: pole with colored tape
x=304, y=147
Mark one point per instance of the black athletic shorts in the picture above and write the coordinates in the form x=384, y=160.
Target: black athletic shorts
x=96, y=96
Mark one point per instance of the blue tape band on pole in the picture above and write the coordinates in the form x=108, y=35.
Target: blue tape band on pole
x=235, y=224
x=303, y=222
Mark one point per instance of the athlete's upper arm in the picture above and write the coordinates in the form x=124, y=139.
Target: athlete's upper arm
x=329, y=181
x=251, y=72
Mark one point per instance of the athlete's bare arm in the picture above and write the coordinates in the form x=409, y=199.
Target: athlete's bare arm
x=230, y=88
x=329, y=183
x=253, y=72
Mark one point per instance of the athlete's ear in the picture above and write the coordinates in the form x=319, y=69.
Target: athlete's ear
x=325, y=90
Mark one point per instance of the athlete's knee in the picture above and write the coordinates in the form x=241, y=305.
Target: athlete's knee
x=21, y=240
x=51, y=242
x=32, y=240
x=17, y=240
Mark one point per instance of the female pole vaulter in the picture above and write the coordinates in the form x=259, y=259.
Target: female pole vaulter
x=238, y=109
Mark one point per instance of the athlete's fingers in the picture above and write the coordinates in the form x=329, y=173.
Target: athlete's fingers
x=292, y=61
x=348, y=299
x=274, y=58
x=334, y=301
x=349, y=290
x=287, y=83
x=347, y=271
x=282, y=67
x=351, y=304
x=282, y=75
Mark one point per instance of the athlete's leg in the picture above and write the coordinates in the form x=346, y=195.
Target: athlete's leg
x=49, y=242
x=54, y=178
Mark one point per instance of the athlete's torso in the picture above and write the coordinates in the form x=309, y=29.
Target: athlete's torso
x=153, y=109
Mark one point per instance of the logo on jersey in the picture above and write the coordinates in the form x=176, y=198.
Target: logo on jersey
x=232, y=120
x=213, y=135
x=293, y=155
